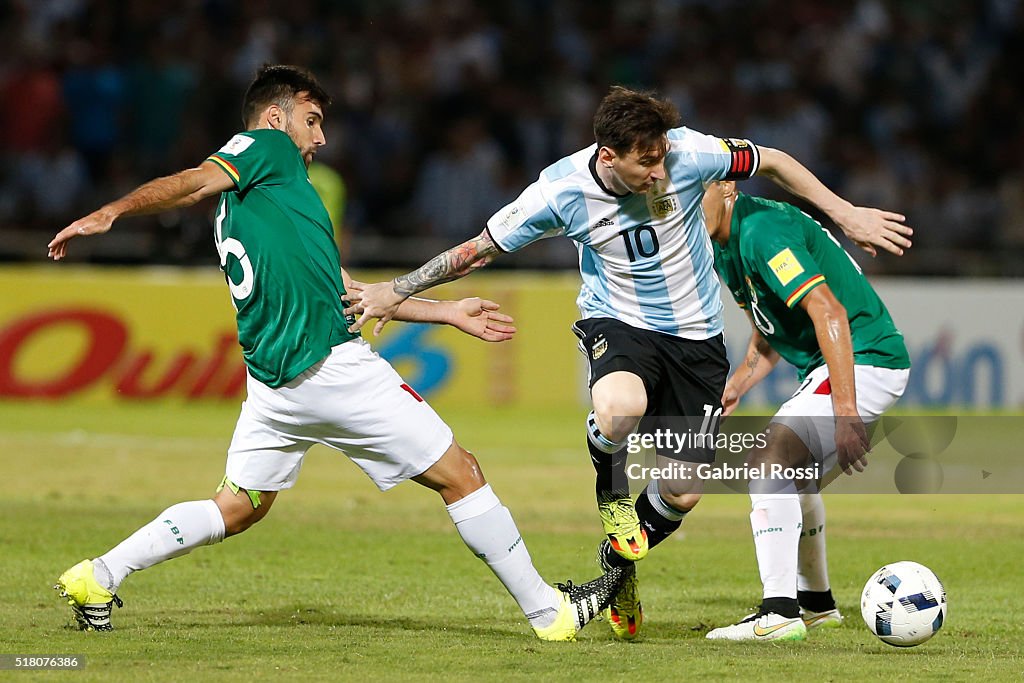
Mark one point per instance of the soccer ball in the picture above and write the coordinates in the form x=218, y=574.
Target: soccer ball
x=904, y=604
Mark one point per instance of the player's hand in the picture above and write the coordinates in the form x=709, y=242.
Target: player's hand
x=96, y=223
x=379, y=300
x=480, y=318
x=852, y=444
x=353, y=297
x=355, y=286
x=870, y=228
x=730, y=399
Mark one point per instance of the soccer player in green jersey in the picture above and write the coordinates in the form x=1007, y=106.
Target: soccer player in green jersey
x=808, y=303
x=310, y=380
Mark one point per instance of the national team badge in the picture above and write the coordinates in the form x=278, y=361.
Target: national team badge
x=599, y=347
x=663, y=207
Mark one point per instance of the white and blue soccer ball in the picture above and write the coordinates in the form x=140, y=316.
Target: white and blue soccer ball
x=904, y=604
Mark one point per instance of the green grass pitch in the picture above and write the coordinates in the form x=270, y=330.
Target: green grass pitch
x=341, y=582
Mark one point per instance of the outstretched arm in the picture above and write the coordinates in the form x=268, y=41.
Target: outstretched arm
x=170, y=192
x=867, y=227
x=451, y=265
x=382, y=300
x=832, y=329
x=761, y=358
x=475, y=316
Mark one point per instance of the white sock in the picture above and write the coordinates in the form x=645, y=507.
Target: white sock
x=486, y=526
x=775, y=521
x=812, y=569
x=176, y=531
x=661, y=506
x=600, y=441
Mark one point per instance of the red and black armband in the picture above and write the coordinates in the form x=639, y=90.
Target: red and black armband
x=744, y=158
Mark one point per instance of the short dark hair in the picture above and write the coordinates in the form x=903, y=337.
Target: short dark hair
x=627, y=120
x=279, y=84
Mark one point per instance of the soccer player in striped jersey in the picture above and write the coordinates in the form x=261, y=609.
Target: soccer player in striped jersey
x=650, y=302
x=808, y=303
x=310, y=380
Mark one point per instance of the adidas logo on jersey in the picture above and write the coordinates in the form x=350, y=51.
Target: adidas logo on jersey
x=603, y=223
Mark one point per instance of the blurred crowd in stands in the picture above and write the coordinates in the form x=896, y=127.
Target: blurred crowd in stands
x=445, y=109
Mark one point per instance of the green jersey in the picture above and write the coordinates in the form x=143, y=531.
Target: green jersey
x=279, y=258
x=775, y=255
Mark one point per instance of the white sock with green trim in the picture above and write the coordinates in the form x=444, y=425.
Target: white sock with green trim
x=812, y=571
x=775, y=521
x=487, y=527
x=176, y=531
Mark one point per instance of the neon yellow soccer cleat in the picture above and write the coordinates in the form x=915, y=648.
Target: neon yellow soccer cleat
x=90, y=602
x=624, y=614
x=626, y=536
x=580, y=604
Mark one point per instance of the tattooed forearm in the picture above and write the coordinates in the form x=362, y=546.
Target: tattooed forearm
x=451, y=265
x=753, y=358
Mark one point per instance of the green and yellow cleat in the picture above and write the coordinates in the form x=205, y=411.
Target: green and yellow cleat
x=90, y=602
x=580, y=604
x=624, y=614
x=622, y=526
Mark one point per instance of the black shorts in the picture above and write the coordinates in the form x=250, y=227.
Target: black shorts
x=684, y=379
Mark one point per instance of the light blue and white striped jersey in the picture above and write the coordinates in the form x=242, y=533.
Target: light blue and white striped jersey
x=645, y=259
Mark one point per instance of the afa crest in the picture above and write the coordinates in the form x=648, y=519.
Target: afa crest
x=665, y=206
x=599, y=347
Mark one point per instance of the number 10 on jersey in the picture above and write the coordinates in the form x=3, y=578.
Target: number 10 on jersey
x=641, y=242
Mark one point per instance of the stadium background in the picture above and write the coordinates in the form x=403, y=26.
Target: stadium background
x=119, y=373
x=446, y=109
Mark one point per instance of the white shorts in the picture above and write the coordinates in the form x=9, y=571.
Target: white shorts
x=353, y=401
x=809, y=411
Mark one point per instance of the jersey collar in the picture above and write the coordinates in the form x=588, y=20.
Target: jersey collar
x=592, y=164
